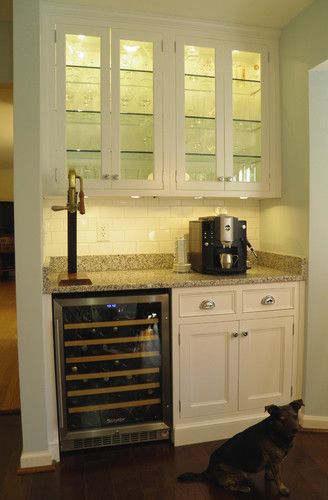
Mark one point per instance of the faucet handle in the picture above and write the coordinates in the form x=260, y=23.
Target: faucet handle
x=57, y=208
x=81, y=205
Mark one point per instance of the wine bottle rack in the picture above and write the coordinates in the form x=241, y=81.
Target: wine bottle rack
x=112, y=368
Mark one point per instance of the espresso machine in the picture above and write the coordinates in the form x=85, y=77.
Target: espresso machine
x=218, y=245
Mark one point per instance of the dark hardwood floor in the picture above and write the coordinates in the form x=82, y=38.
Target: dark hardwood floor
x=148, y=472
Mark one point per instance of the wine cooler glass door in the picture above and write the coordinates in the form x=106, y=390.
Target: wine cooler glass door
x=112, y=354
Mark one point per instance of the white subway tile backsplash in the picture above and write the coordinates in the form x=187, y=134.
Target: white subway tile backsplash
x=146, y=225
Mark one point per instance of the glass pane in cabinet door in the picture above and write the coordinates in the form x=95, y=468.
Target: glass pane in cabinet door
x=200, y=114
x=83, y=105
x=136, y=110
x=247, y=116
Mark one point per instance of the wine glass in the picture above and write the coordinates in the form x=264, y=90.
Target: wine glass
x=125, y=99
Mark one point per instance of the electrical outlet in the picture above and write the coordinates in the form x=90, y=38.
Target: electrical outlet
x=103, y=232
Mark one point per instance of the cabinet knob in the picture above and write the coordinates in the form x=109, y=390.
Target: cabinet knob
x=105, y=176
x=221, y=178
x=115, y=177
x=229, y=179
x=244, y=334
x=207, y=304
x=235, y=334
x=268, y=300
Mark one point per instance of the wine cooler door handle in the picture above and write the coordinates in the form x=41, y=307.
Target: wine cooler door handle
x=59, y=387
x=207, y=304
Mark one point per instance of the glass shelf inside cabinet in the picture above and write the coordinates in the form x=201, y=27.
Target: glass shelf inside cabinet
x=247, y=116
x=113, y=364
x=200, y=114
x=83, y=105
x=136, y=110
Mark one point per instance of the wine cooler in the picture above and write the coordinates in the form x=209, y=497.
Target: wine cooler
x=112, y=369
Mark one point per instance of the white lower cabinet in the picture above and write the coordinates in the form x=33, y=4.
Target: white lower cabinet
x=227, y=368
x=208, y=374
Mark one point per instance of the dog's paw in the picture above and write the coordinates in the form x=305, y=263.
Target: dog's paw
x=284, y=491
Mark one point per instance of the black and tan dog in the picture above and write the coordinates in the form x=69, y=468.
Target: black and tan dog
x=262, y=446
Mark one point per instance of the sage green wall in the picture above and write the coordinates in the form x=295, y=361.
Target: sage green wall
x=303, y=45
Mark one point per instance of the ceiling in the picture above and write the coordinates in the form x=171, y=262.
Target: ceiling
x=266, y=13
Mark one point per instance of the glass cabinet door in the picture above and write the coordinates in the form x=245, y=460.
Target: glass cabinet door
x=246, y=152
x=136, y=110
x=81, y=102
x=200, y=110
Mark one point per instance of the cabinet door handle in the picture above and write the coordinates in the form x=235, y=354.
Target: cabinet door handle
x=229, y=179
x=115, y=177
x=268, y=300
x=105, y=176
x=207, y=304
x=221, y=178
x=244, y=334
x=235, y=334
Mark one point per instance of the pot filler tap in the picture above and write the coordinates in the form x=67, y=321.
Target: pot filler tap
x=218, y=245
x=72, y=207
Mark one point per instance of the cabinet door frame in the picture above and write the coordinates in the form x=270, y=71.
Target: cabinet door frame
x=157, y=39
x=181, y=183
x=60, y=107
x=264, y=184
x=189, y=408
x=259, y=327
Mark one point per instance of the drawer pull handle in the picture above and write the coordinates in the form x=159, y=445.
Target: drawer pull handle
x=268, y=300
x=207, y=304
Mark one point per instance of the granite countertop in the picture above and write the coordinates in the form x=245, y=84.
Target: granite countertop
x=123, y=277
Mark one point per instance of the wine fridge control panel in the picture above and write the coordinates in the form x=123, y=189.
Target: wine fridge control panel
x=112, y=369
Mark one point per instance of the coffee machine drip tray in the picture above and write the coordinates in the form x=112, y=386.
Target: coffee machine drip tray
x=218, y=245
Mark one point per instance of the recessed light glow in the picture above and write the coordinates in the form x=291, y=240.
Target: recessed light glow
x=243, y=197
x=198, y=197
x=135, y=196
x=81, y=37
x=81, y=55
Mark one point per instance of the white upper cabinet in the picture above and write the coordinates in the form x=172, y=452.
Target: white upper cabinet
x=223, y=119
x=151, y=109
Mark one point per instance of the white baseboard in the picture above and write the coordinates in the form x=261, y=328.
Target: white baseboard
x=314, y=422
x=200, y=432
x=35, y=459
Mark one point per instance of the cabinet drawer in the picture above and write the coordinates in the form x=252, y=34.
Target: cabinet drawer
x=207, y=303
x=268, y=299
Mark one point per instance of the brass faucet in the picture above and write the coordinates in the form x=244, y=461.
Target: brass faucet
x=72, y=204
x=72, y=207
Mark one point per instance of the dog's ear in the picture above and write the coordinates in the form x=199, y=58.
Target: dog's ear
x=296, y=404
x=274, y=410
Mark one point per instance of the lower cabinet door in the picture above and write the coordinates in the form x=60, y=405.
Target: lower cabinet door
x=208, y=369
x=265, y=362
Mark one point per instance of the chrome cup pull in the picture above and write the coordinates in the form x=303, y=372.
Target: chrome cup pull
x=268, y=300
x=207, y=304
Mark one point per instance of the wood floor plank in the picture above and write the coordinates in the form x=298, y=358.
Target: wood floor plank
x=148, y=472
x=9, y=381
